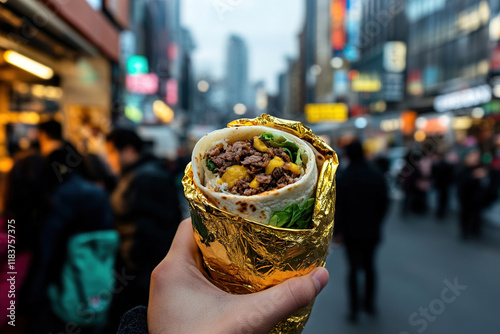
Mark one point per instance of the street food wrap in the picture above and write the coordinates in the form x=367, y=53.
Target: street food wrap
x=243, y=158
x=244, y=253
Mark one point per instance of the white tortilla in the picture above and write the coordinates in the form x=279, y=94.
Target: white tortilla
x=260, y=207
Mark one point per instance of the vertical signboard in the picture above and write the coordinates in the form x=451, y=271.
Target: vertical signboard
x=338, y=14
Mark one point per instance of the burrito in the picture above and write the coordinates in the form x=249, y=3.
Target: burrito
x=252, y=189
x=259, y=173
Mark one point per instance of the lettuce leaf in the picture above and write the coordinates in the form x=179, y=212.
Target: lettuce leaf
x=288, y=146
x=294, y=216
x=211, y=166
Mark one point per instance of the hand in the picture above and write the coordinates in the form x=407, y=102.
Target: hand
x=182, y=300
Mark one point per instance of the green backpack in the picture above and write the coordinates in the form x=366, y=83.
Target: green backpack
x=87, y=279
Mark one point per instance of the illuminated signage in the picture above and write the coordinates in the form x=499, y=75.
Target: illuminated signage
x=142, y=83
x=137, y=65
x=395, y=56
x=463, y=99
x=172, y=92
x=337, y=13
x=336, y=112
x=366, y=83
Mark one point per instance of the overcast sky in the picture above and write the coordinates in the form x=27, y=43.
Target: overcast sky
x=269, y=27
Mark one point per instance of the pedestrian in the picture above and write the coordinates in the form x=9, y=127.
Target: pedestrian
x=147, y=214
x=26, y=206
x=443, y=176
x=407, y=178
x=76, y=207
x=361, y=206
x=472, y=186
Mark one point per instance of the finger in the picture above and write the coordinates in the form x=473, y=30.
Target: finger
x=263, y=310
x=184, y=246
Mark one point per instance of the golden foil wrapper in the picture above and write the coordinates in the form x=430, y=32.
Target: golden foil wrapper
x=242, y=256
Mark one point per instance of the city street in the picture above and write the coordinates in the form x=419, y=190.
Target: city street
x=417, y=260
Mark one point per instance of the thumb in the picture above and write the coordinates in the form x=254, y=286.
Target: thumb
x=277, y=303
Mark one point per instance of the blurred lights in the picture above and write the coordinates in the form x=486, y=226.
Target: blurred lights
x=444, y=120
x=484, y=12
x=421, y=122
x=203, y=86
x=462, y=123
x=477, y=113
x=463, y=99
x=379, y=106
x=163, y=111
x=6, y=163
x=316, y=70
x=172, y=88
x=389, y=125
x=483, y=67
x=29, y=118
x=336, y=62
x=360, y=123
x=133, y=113
x=419, y=136
x=366, y=83
x=142, y=83
x=28, y=64
x=496, y=90
x=495, y=28
x=240, y=109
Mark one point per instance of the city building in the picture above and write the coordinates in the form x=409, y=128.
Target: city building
x=236, y=75
x=453, y=67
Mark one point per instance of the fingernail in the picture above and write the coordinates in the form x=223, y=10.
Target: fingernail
x=320, y=278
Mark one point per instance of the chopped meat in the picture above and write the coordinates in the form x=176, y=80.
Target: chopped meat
x=280, y=153
x=263, y=178
x=243, y=153
x=257, y=160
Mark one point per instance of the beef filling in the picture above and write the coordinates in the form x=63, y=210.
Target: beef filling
x=243, y=153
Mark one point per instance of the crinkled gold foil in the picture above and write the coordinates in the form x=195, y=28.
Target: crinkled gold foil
x=241, y=256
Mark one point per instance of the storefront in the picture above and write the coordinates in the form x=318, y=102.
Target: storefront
x=55, y=63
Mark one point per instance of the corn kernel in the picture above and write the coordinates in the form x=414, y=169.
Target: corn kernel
x=274, y=163
x=232, y=175
x=254, y=184
x=259, y=145
x=293, y=168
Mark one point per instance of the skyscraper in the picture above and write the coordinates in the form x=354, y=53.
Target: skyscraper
x=236, y=72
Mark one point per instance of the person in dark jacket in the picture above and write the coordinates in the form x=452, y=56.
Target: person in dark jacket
x=443, y=176
x=362, y=203
x=76, y=206
x=472, y=185
x=147, y=214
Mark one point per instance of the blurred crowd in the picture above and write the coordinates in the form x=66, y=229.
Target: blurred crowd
x=431, y=181
x=81, y=222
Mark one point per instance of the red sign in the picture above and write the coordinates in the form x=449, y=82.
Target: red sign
x=172, y=92
x=142, y=83
x=495, y=59
x=337, y=13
